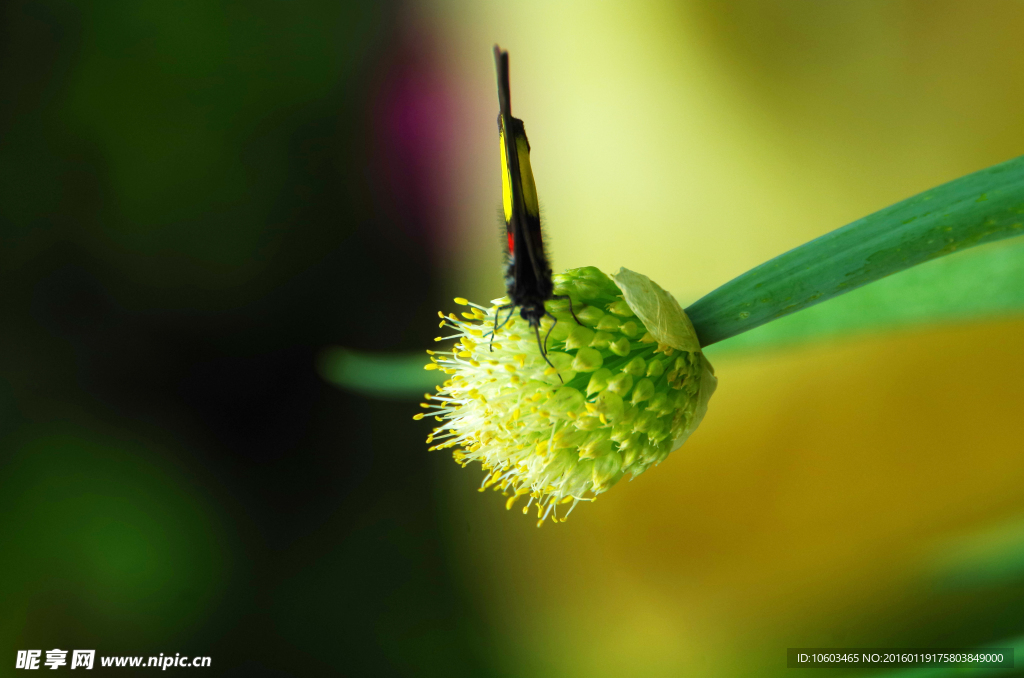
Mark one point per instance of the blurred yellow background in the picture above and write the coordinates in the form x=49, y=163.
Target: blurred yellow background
x=849, y=493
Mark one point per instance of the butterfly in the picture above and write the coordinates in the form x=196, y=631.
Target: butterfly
x=528, y=283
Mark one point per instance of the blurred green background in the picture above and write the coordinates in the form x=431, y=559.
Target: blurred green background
x=197, y=198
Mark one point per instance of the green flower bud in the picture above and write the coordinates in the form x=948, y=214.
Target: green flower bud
x=658, y=402
x=620, y=383
x=622, y=429
x=590, y=316
x=563, y=368
x=630, y=455
x=569, y=438
x=578, y=480
x=601, y=340
x=658, y=430
x=607, y=471
x=599, y=381
x=558, y=306
x=633, y=443
x=629, y=328
x=589, y=423
x=579, y=337
x=629, y=413
x=559, y=463
x=644, y=420
x=608, y=404
x=635, y=367
x=655, y=368
x=608, y=323
x=587, y=290
x=621, y=309
x=587, y=360
x=596, y=448
x=565, y=399
x=643, y=391
x=620, y=347
x=555, y=330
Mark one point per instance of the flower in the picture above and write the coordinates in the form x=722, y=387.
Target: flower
x=627, y=385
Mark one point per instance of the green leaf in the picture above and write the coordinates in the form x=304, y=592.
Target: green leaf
x=975, y=209
x=986, y=282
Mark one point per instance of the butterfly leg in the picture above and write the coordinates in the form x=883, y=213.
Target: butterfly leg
x=511, y=309
x=541, y=346
x=544, y=348
x=569, y=299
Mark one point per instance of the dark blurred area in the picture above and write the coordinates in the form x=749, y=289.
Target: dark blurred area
x=195, y=199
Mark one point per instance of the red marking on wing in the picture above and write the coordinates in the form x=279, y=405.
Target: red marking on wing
x=511, y=244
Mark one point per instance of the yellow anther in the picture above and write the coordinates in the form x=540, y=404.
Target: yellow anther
x=520, y=358
x=497, y=347
x=440, y=315
x=515, y=414
x=477, y=333
x=542, y=447
x=463, y=354
x=514, y=337
x=438, y=338
x=426, y=406
x=474, y=363
x=417, y=417
x=440, y=324
x=467, y=316
x=431, y=366
x=510, y=368
x=461, y=302
x=565, y=501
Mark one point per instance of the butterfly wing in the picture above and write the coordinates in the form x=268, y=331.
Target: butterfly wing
x=528, y=278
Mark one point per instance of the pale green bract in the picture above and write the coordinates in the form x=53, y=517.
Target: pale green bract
x=627, y=385
x=668, y=324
